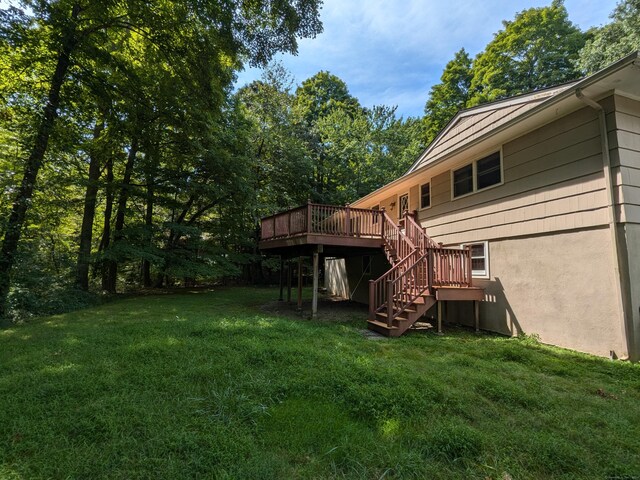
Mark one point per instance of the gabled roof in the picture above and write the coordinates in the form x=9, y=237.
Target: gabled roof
x=467, y=125
x=487, y=126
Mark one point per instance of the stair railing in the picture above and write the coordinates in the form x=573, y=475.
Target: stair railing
x=425, y=265
x=409, y=285
x=406, y=255
x=379, y=288
x=395, y=239
x=417, y=235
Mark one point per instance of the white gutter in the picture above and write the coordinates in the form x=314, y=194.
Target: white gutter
x=611, y=207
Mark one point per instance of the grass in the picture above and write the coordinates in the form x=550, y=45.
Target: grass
x=210, y=385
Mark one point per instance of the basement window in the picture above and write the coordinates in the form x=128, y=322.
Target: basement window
x=479, y=259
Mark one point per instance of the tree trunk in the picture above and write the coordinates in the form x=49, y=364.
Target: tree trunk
x=106, y=229
x=86, y=230
x=123, y=196
x=148, y=221
x=34, y=162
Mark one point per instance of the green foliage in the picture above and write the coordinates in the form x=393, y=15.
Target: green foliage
x=450, y=95
x=212, y=384
x=143, y=95
x=613, y=41
x=353, y=150
x=537, y=49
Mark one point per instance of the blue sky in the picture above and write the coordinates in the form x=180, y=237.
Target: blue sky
x=391, y=51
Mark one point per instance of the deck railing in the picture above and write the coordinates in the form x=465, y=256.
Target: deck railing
x=323, y=220
x=427, y=265
x=418, y=263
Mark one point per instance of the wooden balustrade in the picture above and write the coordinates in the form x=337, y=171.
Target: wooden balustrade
x=395, y=238
x=412, y=283
x=418, y=263
x=323, y=220
x=452, y=267
x=417, y=234
x=417, y=274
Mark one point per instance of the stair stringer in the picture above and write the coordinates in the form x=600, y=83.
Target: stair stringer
x=405, y=320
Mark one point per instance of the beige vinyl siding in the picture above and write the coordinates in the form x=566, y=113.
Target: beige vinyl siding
x=624, y=138
x=386, y=204
x=477, y=125
x=553, y=181
x=414, y=198
x=472, y=124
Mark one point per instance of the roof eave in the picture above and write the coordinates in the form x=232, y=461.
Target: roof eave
x=551, y=101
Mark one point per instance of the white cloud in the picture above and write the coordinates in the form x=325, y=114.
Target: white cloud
x=391, y=52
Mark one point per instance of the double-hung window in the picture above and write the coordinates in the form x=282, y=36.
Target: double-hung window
x=488, y=171
x=425, y=195
x=463, y=180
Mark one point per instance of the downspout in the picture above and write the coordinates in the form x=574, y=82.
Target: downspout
x=611, y=207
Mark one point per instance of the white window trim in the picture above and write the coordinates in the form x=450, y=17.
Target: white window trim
x=420, y=207
x=474, y=174
x=486, y=274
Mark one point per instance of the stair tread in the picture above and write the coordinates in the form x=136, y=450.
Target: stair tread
x=399, y=317
x=382, y=324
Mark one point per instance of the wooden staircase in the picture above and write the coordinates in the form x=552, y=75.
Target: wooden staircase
x=419, y=266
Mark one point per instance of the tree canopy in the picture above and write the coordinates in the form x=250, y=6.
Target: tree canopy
x=613, y=41
x=140, y=90
x=539, y=48
x=450, y=95
x=128, y=160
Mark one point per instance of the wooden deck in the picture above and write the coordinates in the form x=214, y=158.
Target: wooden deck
x=422, y=272
x=315, y=224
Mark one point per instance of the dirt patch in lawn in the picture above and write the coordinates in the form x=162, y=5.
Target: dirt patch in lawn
x=330, y=309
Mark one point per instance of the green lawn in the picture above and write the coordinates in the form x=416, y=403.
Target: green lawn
x=210, y=385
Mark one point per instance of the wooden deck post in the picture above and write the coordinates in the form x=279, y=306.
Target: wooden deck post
x=476, y=309
x=389, y=303
x=280, y=298
x=347, y=220
x=439, y=317
x=314, y=302
x=289, y=280
x=469, y=266
x=299, y=284
x=372, y=300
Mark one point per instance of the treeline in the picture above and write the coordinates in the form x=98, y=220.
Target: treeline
x=540, y=48
x=128, y=159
